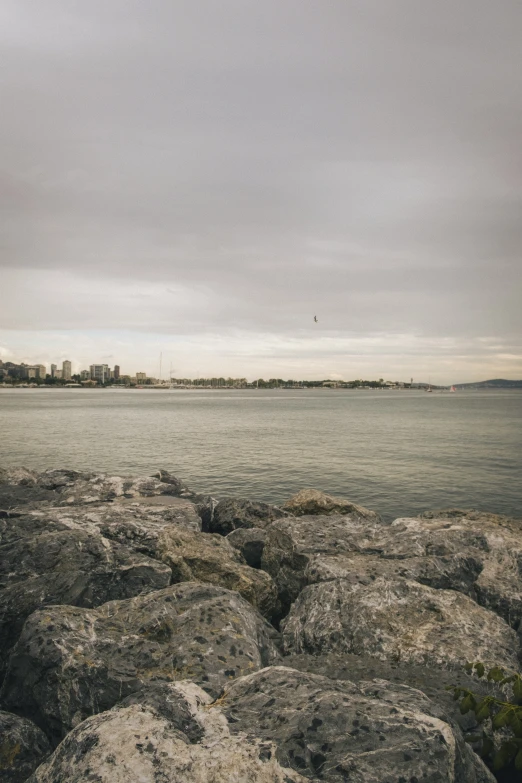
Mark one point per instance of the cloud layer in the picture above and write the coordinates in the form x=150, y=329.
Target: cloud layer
x=202, y=178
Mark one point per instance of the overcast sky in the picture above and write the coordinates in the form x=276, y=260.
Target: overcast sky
x=200, y=178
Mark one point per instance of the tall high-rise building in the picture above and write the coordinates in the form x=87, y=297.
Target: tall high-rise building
x=116, y=372
x=100, y=372
x=53, y=370
x=67, y=370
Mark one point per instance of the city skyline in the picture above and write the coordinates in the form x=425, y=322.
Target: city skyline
x=201, y=180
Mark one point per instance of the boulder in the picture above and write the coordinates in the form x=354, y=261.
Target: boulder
x=15, y=495
x=43, y=563
x=493, y=541
x=70, y=662
x=398, y=619
x=210, y=558
x=293, y=544
x=169, y=534
x=445, y=572
x=435, y=683
x=231, y=513
x=314, y=502
x=136, y=522
x=475, y=553
x=23, y=747
x=250, y=542
x=178, y=487
x=338, y=731
x=165, y=733
x=102, y=488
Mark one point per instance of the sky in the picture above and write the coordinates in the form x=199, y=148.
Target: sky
x=199, y=179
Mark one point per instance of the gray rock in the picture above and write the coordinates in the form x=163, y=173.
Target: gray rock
x=397, y=619
x=232, y=513
x=209, y=558
x=494, y=541
x=293, y=545
x=447, y=572
x=167, y=733
x=178, y=487
x=43, y=562
x=167, y=534
x=338, y=731
x=250, y=543
x=102, y=488
x=14, y=495
x=70, y=663
x=23, y=747
x=314, y=502
x=435, y=683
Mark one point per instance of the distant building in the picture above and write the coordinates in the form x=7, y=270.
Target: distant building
x=58, y=373
x=32, y=371
x=100, y=372
x=141, y=377
x=53, y=370
x=85, y=375
x=66, y=370
x=116, y=372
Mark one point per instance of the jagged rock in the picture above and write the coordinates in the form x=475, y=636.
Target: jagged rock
x=250, y=542
x=23, y=746
x=337, y=731
x=314, y=502
x=43, y=562
x=205, y=506
x=178, y=487
x=204, y=557
x=15, y=495
x=167, y=733
x=19, y=476
x=398, y=619
x=59, y=478
x=167, y=534
x=493, y=541
x=70, y=663
x=450, y=572
x=102, y=488
x=137, y=522
x=232, y=513
x=435, y=683
x=293, y=544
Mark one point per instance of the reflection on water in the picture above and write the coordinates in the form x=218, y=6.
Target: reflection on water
x=396, y=452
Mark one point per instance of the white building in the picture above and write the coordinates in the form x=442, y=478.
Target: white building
x=100, y=372
x=67, y=370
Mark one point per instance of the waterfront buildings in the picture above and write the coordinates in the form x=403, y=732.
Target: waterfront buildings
x=100, y=373
x=66, y=370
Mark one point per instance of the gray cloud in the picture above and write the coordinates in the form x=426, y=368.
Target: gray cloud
x=268, y=160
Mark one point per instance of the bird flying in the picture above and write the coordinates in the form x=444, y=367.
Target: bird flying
x=315, y=319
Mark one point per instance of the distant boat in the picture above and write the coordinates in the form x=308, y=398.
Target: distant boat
x=453, y=389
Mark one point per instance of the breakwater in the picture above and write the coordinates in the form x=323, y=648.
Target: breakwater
x=150, y=632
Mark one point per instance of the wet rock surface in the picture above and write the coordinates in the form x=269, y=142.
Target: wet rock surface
x=70, y=663
x=23, y=746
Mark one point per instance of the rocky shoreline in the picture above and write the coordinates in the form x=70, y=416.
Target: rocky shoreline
x=151, y=633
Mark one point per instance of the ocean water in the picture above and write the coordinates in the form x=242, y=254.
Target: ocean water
x=397, y=452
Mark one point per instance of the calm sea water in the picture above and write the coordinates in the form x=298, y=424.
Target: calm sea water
x=396, y=452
